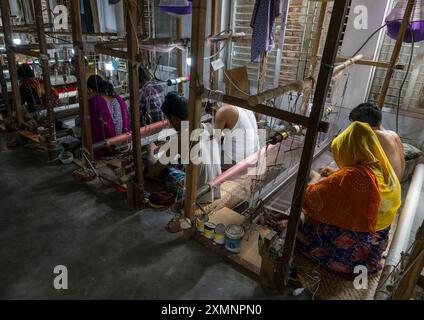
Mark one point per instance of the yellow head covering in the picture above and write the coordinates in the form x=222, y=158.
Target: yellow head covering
x=358, y=145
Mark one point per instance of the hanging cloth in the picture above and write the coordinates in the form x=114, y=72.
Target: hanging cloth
x=263, y=20
x=415, y=31
x=176, y=7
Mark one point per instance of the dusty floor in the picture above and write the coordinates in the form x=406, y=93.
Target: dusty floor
x=110, y=252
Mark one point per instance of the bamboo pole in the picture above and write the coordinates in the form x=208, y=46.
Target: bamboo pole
x=81, y=69
x=11, y=60
x=133, y=82
x=396, y=51
x=323, y=84
x=195, y=98
x=44, y=57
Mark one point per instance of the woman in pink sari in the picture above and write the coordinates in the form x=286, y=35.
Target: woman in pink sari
x=109, y=115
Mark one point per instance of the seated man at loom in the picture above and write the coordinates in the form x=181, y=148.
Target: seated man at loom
x=389, y=140
x=171, y=172
x=349, y=214
x=152, y=96
x=109, y=115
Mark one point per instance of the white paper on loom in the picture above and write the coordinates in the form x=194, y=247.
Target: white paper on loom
x=173, y=3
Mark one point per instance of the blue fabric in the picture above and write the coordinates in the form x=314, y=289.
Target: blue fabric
x=151, y=99
x=174, y=180
x=263, y=19
x=342, y=250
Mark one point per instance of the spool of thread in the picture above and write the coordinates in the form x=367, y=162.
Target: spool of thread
x=279, y=137
x=174, y=82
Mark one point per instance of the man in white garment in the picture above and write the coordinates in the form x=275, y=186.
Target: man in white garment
x=240, y=131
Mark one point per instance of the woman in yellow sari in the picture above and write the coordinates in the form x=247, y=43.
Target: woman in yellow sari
x=349, y=214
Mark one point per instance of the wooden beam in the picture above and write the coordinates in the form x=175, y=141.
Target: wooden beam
x=413, y=269
x=317, y=44
x=81, y=69
x=195, y=99
x=130, y=7
x=396, y=51
x=213, y=80
x=95, y=12
x=298, y=86
x=25, y=52
x=44, y=57
x=180, y=57
x=5, y=93
x=266, y=110
x=323, y=84
x=337, y=72
x=11, y=60
x=366, y=62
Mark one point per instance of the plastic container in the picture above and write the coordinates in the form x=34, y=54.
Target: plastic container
x=66, y=157
x=209, y=232
x=234, y=234
x=200, y=222
x=219, y=235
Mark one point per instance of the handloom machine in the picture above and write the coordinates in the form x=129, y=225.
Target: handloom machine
x=296, y=128
x=273, y=268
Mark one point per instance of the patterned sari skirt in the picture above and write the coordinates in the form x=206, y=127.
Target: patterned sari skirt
x=342, y=250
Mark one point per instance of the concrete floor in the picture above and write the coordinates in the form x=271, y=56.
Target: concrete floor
x=110, y=252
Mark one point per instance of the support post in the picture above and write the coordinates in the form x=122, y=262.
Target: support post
x=130, y=7
x=11, y=60
x=317, y=44
x=44, y=57
x=180, y=53
x=396, y=51
x=323, y=85
x=5, y=94
x=414, y=267
x=262, y=72
x=81, y=69
x=213, y=81
x=195, y=99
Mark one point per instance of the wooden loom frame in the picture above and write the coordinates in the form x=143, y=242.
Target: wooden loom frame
x=313, y=122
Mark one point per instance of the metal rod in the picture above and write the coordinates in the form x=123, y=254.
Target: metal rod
x=338, y=17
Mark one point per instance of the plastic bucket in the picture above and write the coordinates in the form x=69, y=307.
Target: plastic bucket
x=234, y=234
